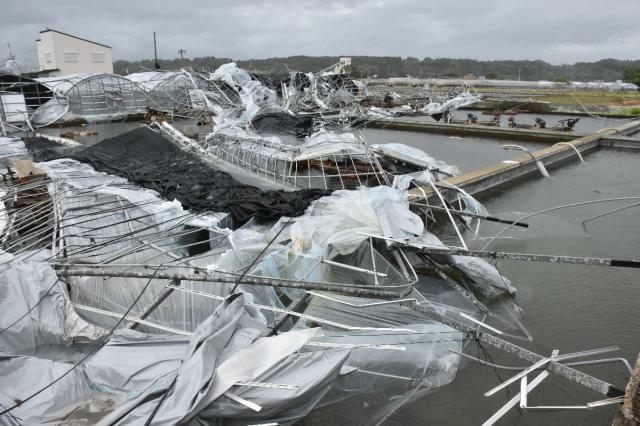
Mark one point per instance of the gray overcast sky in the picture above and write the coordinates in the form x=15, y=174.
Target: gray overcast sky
x=558, y=31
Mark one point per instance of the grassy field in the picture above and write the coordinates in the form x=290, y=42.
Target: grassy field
x=603, y=102
x=621, y=99
x=612, y=102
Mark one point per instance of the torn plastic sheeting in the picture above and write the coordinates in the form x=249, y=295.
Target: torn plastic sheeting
x=459, y=101
x=236, y=131
x=405, y=364
x=149, y=357
x=415, y=156
x=22, y=375
x=199, y=393
x=246, y=246
x=221, y=352
x=251, y=363
x=325, y=144
x=253, y=94
x=333, y=225
x=314, y=373
x=31, y=290
x=51, y=111
x=482, y=273
x=145, y=379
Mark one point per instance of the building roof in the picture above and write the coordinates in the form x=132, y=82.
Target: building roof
x=70, y=35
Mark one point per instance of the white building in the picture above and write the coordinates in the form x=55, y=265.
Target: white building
x=61, y=54
x=343, y=67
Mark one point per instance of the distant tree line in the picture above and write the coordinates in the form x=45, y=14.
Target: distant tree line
x=389, y=66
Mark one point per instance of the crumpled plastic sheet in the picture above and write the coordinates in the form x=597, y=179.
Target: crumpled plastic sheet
x=485, y=277
x=30, y=282
x=416, y=156
x=11, y=148
x=332, y=226
x=336, y=224
x=408, y=359
x=483, y=274
x=221, y=354
x=253, y=94
x=462, y=100
x=22, y=375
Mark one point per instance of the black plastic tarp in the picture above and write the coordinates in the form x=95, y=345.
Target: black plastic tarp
x=281, y=122
x=151, y=161
x=42, y=149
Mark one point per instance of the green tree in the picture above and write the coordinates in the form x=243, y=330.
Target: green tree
x=357, y=73
x=632, y=75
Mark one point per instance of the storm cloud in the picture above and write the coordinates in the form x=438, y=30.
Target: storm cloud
x=560, y=31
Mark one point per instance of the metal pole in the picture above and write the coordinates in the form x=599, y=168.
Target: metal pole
x=547, y=258
x=155, y=51
x=555, y=367
x=354, y=290
x=474, y=215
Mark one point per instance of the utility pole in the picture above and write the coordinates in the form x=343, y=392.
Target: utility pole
x=12, y=63
x=181, y=52
x=155, y=51
x=518, y=73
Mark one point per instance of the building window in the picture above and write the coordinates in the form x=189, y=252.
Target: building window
x=71, y=57
x=47, y=57
x=97, y=56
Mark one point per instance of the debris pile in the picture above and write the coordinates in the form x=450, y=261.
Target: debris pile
x=238, y=276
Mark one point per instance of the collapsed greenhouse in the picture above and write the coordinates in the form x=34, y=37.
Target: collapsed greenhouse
x=234, y=276
x=120, y=251
x=31, y=103
x=92, y=97
x=327, y=98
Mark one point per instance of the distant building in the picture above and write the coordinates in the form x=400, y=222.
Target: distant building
x=343, y=67
x=61, y=54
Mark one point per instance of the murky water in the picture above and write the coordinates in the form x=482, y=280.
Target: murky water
x=571, y=308
x=101, y=130
x=468, y=153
